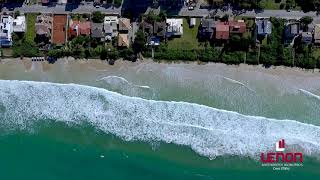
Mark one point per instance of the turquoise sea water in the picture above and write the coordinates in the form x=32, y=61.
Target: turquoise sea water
x=84, y=153
x=53, y=131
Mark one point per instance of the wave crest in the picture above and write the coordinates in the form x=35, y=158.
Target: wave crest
x=208, y=131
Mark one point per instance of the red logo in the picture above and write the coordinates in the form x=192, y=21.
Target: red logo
x=280, y=156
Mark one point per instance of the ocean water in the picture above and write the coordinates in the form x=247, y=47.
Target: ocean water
x=154, y=122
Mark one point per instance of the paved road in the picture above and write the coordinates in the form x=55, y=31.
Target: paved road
x=197, y=12
x=266, y=13
x=62, y=9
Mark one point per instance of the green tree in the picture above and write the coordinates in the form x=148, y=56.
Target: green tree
x=97, y=17
x=117, y=3
x=305, y=21
x=290, y=4
x=139, y=42
x=16, y=13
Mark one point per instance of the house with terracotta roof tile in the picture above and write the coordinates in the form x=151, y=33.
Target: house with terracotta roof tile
x=123, y=40
x=124, y=25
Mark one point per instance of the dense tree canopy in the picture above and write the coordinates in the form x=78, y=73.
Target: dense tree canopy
x=97, y=17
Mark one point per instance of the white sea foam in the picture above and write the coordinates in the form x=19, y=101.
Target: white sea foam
x=208, y=131
x=116, y=80
x=237, y=82
x=309, y=94
x=123, y=86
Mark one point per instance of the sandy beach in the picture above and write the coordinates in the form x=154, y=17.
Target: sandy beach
x=275, y=92
x=301, y=78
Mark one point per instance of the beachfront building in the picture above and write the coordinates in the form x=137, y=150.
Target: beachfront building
x=19, y=24
x=264, y=27
x=44, y=28
x=237, y=27
x=207, y=29
x=123, y=40
x=159, y=29
x=110, y=26
x=222, y=31
x=6, y=30
x=174, y=27
x=317, y=34
x=97, y=31
x=124, y=26
x=292, y=30
x=79, y=28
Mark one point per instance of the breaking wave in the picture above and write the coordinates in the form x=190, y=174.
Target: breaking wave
x=208, y=131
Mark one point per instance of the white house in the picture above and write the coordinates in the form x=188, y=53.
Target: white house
x=19, y=24
x=110, y=26
x=6, y=29
x=174, y=27
x=62, y=1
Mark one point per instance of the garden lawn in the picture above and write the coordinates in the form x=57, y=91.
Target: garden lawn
x=316, y=52
x=31, y=21
x=189, y=38
x=270, y=4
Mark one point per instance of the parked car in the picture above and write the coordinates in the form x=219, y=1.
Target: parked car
x=190, y=8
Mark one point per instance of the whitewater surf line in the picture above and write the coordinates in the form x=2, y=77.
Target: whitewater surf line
x=208, y=131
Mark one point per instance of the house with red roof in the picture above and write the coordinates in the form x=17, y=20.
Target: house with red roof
x=237, y=27
x=222, y=31
x=79, y=28
x=225, y=29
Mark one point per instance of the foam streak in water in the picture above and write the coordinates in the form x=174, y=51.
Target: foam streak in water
x=208, y=131
x=309, y=94
x=237, y=82
x=113, y=79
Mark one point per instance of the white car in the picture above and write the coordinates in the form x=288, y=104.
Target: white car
x=191, y=8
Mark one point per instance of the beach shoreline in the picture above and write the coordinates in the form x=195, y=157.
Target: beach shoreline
x=121, y=62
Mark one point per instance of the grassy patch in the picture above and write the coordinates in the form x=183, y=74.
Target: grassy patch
x=31, y=20
x=264, y=41
x=270, y=4
x=316, y=52
x=189, y=38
